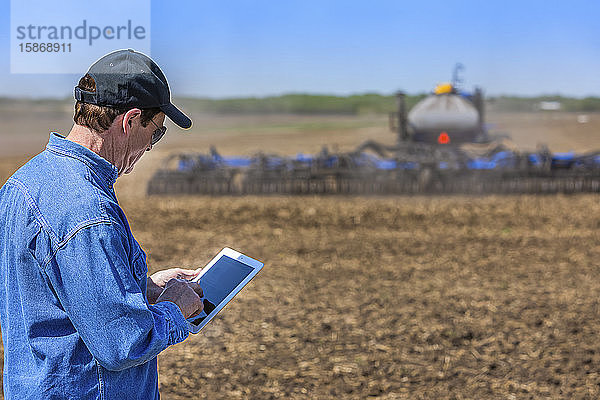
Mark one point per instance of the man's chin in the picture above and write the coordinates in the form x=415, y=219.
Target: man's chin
x=127, y=171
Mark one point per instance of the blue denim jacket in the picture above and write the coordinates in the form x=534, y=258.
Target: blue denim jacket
x=75, y=320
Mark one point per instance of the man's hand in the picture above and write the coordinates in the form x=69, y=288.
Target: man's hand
x=186, y=295
x=161, y=278
x=158, y=280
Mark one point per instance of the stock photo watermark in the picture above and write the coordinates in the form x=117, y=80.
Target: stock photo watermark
x=62, y=36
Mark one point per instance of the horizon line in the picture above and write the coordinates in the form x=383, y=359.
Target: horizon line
x=268, y=96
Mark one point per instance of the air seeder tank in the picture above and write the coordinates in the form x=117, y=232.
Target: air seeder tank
x=447, y=117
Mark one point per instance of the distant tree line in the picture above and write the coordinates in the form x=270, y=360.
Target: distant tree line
x=302, y=104
x=513, y=103
x=370, y=103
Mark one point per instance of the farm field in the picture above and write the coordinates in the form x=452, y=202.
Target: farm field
x=391, y=298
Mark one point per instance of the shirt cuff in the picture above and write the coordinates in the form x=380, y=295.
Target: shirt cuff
x=176, y=324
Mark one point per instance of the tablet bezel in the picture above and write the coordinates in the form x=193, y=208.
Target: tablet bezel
x=235, y=255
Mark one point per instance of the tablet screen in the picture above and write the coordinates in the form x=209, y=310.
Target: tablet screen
x=219, y=281
x=222, y=278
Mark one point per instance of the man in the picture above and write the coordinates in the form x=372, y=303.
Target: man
x=80, y=318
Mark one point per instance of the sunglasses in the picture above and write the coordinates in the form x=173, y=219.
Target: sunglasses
x=158, y=133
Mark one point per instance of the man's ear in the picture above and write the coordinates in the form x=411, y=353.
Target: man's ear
x=130, y=118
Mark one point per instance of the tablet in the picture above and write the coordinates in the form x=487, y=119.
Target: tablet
x=223, y=278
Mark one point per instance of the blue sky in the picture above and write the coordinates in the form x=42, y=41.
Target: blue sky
x=260, y=48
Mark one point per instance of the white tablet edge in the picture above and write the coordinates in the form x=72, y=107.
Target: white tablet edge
x=226, y=252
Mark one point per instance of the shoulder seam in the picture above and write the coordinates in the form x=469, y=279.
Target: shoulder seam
x=75, y=156
x=75, y=231
x=39, y=216
x=31, y=203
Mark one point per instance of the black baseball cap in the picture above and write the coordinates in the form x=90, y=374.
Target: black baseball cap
x=126, y=78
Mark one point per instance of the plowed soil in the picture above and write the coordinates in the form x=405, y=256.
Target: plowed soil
x=390, y=298
x=411, y=298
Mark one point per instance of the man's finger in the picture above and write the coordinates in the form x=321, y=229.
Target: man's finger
x=197, y=288
x=174, y=281
x=189, y=272
x=170, y=282
x=198, y=311
x=198, y=270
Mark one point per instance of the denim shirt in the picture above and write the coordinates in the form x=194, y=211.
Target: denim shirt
x=75, y=320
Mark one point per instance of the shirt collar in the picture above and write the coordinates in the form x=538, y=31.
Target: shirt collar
x=99, y=165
